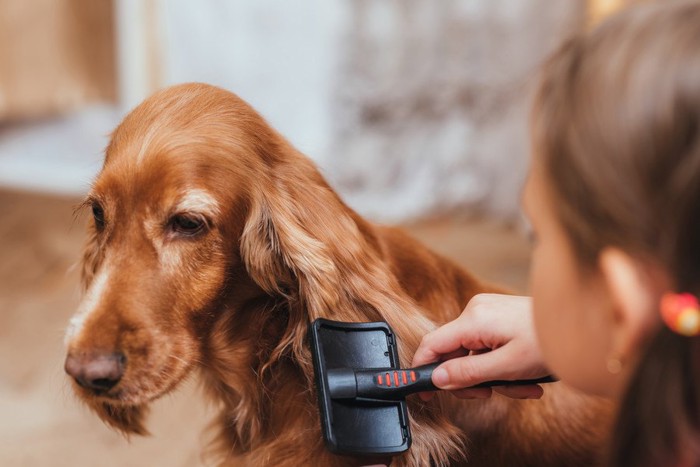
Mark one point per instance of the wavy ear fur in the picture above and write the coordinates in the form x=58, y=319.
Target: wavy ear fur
x=303, y=243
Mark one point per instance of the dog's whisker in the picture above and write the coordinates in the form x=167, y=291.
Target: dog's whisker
x=175, y=357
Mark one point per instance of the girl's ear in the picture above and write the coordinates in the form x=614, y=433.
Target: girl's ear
x=635, y=290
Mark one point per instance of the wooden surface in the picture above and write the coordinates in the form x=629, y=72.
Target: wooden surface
x=43, y=425
x=55, y=56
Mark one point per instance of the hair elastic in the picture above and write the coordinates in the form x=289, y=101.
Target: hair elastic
x=681, y=313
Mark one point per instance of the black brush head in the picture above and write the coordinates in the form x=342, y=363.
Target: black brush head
x=358, y=426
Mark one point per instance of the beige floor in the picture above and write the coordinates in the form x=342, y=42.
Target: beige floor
x=40, y=422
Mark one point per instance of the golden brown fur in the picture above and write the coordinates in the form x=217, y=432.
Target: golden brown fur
x=233, y=301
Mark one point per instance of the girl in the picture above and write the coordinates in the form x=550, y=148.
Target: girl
x=613, y=195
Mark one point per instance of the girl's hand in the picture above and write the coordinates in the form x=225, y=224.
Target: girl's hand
x=493, y=339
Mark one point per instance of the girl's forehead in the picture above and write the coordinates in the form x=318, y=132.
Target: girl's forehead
x=536, y=199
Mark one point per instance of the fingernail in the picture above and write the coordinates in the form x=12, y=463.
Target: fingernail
x=441, y=377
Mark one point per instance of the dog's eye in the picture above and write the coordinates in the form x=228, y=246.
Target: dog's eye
x=187, y=224
x=99, y=215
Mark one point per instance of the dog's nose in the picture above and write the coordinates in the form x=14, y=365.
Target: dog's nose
x=96, y=371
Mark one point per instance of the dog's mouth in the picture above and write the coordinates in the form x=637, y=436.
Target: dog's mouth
x=140, y=382
x=127, y=393
x=114, y=396
x=125, y=405
x=99, y=394
x=120, y=381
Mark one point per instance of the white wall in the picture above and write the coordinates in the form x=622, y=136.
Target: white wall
x=410, y=107
x=431, y=107
x=279, y=55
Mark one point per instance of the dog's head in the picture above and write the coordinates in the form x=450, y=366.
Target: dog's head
x=207, y=223
x=199, y=206
x=167, y=212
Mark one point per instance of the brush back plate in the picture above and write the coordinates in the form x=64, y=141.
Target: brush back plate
x=358, y=426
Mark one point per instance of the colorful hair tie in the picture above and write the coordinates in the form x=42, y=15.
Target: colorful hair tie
x=681, y=313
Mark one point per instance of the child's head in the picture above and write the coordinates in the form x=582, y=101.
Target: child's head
x=614, y=197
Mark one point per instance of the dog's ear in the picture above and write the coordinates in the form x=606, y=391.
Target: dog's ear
x=297, y=233
x=302, y=243
x=297, y=243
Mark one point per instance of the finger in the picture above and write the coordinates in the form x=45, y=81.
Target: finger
x=472, y=393
x=520, y=392
x=426, y=396
x=456, y=354
x=469, y=371
x=452, y=336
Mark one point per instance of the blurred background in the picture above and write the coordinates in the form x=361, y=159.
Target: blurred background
x=415, y=110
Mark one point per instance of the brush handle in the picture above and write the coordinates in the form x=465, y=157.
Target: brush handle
x=392, y=384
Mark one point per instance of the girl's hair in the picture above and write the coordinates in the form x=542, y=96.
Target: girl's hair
x=616, y=125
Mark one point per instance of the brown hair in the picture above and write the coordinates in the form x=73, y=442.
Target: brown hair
x=616, y=124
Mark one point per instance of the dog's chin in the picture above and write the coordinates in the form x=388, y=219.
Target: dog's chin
x=127, y=419
x=125, y=406
x=121, y=408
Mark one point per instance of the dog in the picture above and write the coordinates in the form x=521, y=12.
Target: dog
x=212, y=245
